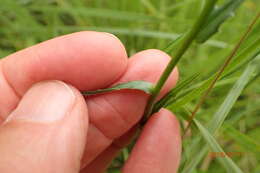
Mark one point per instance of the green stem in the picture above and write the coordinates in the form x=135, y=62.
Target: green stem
x=186, y=42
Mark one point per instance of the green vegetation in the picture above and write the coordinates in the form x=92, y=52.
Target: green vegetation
x=228, y=120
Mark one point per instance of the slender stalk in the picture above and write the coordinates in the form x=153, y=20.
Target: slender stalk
x=185, y=44
x=221, y=70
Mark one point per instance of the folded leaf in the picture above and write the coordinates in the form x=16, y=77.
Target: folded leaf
x=147, y=87
x=216, y=18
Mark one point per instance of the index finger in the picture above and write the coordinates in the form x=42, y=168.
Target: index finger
x=87, y=60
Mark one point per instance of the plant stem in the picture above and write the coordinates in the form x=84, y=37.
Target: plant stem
x=185, y=44
x=218, y=75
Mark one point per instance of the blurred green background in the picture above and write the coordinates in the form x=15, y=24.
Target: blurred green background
x=145, y=24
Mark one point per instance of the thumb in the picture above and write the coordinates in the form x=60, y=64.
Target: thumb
x=46, y=132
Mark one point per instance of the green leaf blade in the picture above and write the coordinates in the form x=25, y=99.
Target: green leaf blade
x=147, y=87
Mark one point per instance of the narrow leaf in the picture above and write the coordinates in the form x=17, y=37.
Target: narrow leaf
x=233, y=95
x=172, y=94
x=215, y=147
x=147, y=87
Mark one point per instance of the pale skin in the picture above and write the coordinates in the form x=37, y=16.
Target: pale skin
x=46, y=125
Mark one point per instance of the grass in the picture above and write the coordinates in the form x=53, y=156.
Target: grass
x=229, y=118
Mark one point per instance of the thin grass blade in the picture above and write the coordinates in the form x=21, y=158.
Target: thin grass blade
x=222, y=113
x=172, y=94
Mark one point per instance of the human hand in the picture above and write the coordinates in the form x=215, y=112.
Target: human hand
x=47, y=126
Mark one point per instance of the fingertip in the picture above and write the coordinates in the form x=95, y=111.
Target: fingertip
x=159, y=146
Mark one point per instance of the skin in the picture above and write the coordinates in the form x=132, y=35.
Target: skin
x=46, y=125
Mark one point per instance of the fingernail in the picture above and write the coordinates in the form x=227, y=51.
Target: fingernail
x=45, y=102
